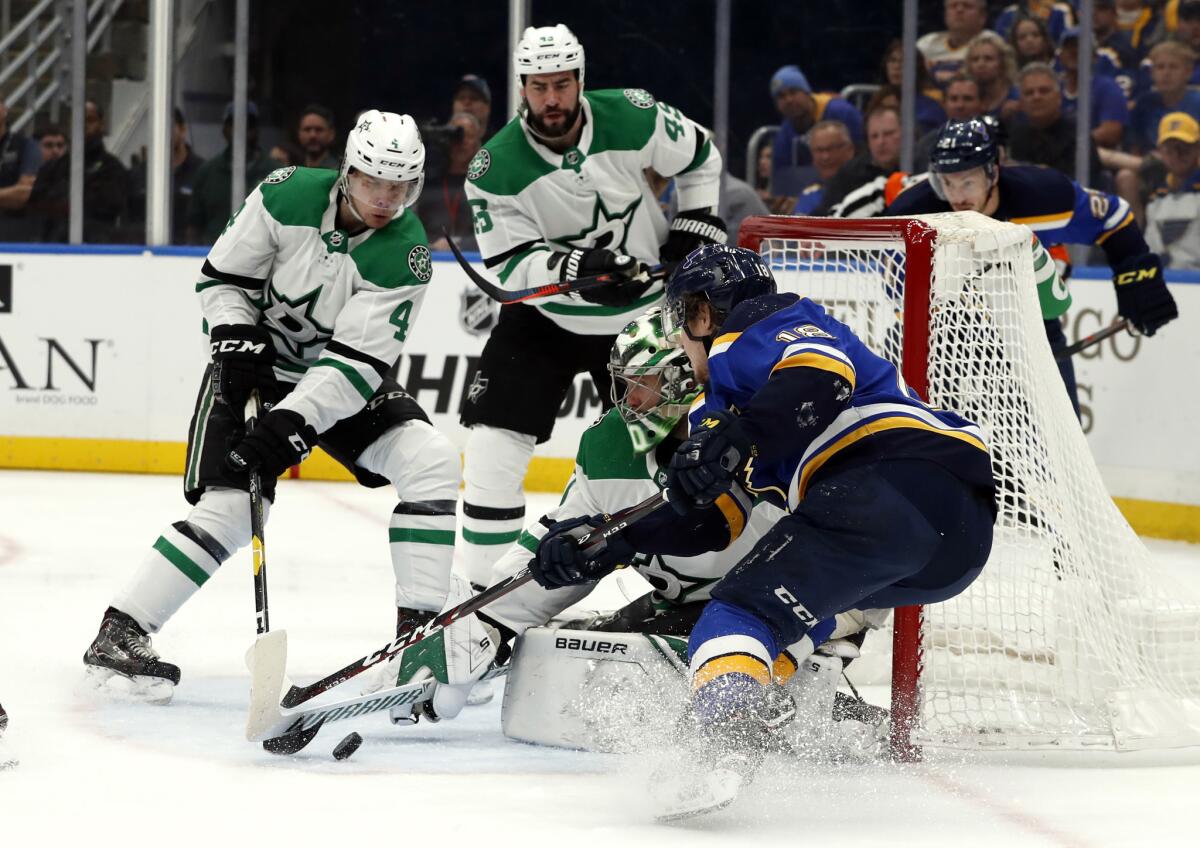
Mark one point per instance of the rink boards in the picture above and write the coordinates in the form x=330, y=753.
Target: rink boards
x=101, y=351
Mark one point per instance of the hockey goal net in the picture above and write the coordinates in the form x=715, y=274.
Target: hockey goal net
x=1073, y=637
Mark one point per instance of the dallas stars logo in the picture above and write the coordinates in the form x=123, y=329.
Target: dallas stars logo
x=639, y=97
x=293, y=323
x=280, y=174
x=479, y=164
x=420, y=263
x=364, y=126
x=607, y=229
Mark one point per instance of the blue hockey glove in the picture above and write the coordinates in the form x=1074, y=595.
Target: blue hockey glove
x=1142, y=293
x=559, y=562
x=242, y=357
x=706, y=464
x=281, y=439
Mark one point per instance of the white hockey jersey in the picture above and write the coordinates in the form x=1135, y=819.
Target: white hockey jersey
x=529, y=201
x=338, y=307
x=608, y=477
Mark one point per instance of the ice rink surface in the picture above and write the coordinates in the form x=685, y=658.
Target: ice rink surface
x=99, y=773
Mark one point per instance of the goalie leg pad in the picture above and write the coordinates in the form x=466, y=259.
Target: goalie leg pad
x=593, y=691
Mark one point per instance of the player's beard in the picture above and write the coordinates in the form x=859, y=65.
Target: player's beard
x=539, y=126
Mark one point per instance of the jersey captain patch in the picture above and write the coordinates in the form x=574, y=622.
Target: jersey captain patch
x=479, y=164
x=280, y=174
x=421, y=263
x=639, y=97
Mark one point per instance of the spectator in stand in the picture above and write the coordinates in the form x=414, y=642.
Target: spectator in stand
x=791, y=158
x=880, y=160
x=1171, y=66
x=1173, y=213
x=1056, y=16
x=739, y=200
x=993, y=65
x=474, y=96
x=210, y=207
x=945, y=51
x=1113, y=42
x=52, y=142
x=443, y=204
x=1040, y=134
x=20, y=159
x=1141, y=24
x=1188, y=31
x=315, y=133
x=1031, y=42
x=1110, y=112
x=929, y=111
x=962, y=102
x=831, y=149
x=185, y=164
x=105, y=189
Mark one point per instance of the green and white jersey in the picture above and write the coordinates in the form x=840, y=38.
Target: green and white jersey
x=529, y=201
x=608, y=477
x=338, y=307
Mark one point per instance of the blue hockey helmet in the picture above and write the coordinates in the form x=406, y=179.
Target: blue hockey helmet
x=723, y=276
x=963, y=146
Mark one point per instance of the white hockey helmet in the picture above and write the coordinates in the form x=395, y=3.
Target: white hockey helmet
x=385, y=146
x=548, y=50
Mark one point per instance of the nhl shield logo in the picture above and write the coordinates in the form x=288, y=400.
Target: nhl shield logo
x=639, y=97
x=479, y=164
x=478, y=312
x=421, y=263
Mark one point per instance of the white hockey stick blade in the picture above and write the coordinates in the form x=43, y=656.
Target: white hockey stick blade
x=267, y=661
x=692, y=795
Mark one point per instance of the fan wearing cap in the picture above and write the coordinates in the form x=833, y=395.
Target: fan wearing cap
x=966, y=175
x=1173, y=213
x=559, y=194
x=308, y=297
x=802, y=110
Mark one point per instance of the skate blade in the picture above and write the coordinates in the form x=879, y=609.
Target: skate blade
x=677, y=800
x=129, y=688
x=481, y=693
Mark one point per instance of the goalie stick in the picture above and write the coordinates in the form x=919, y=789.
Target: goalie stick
x=566, y=287
x=1094, y=338
x=267, y=658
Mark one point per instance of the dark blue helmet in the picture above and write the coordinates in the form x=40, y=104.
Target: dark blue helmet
x=963, y=146
x=723, y=275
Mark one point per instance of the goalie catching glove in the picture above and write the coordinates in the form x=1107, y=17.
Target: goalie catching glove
x=1142, y=293
x=243, y=358
x=591, y=262
x=456, y=656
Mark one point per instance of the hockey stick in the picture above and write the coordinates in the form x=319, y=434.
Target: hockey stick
x=261, y=617
x=582, y=284
x=1094, y=338
x=269, y=669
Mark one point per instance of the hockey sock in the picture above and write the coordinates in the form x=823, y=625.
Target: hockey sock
x=493, y=498
x=731, y=653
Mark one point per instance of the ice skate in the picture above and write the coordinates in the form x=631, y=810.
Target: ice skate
x=121, y=661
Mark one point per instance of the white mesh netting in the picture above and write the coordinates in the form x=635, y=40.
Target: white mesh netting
x=1073, y=637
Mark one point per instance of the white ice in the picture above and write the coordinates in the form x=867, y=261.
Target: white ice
x=99, y=773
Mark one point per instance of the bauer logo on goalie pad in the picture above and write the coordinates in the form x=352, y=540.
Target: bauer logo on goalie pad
x=477, y=312
x=421, y=263
x=596, y=646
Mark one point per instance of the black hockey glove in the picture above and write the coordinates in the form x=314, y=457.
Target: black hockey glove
x=280, y=440
x=1142, y=293
x=559, y=562
x=690, y=230
x=706, y=464
x=242, y=356
x=590, y=262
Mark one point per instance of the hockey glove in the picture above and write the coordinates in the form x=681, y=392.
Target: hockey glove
x=580, y=263
x=280, y=440
x=706, y=464
x=690, y=230
x=559, y=562
x=1142, y=293
x=242, y=357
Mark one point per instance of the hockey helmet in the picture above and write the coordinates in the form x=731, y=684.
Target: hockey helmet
x=548, y=50
x=385, y=147
x=722, y=275
x=963, y=146
x=653, y=385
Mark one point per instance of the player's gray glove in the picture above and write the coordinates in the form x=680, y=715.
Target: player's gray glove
x=243, y=356
x=590, y=262
x=1142, y=293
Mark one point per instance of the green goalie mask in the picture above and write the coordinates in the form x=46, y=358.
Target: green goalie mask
x=652, y=384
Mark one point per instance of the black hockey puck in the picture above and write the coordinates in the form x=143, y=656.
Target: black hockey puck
x=347, y=747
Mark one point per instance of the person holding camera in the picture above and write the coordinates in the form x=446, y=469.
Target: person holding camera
x=443, y=204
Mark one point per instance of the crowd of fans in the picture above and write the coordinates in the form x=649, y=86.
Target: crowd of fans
x=1023, y=71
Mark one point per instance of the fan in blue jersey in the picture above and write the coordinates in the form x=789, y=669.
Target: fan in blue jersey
x=889, y=502
x=965, y=174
